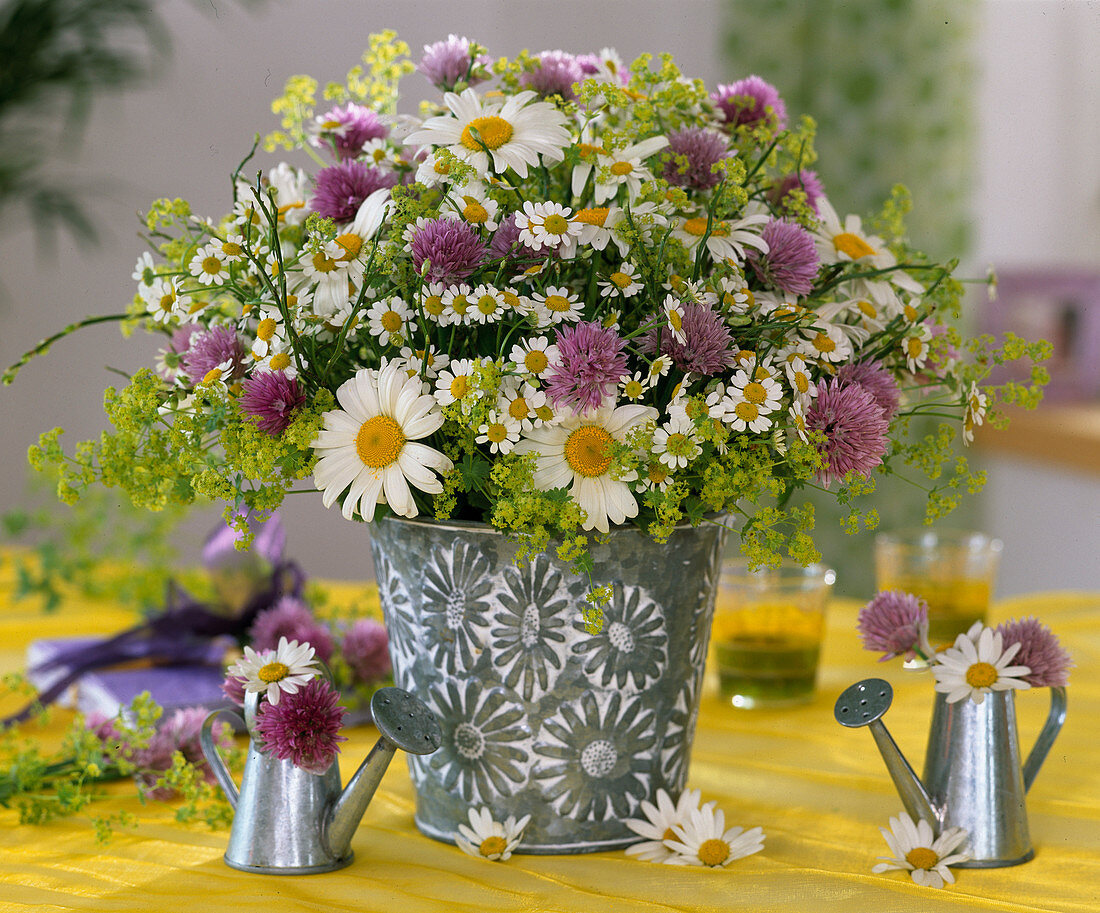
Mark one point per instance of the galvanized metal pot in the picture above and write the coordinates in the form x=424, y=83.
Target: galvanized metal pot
x=540, y=716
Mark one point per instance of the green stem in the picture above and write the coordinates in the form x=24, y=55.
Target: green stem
x=44, y=346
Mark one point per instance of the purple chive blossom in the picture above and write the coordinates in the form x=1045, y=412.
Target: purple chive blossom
x=446, y=63
x=505, y=243
x=233, y=688
x=806, y=181
x=453, y=248
x=211, y=349
x=357, y=126
x=554, y=74
x=746, y=103
x=702, y=148
x=854, y=428
x=896, y=623
x=339, y=190
x=877, y=381
x=1039, y=650
x=290, y=618
x=271, y=398
x=366, y=649
x=303, y=728
x=591, y=362
x=708, y=345
x=791, y=262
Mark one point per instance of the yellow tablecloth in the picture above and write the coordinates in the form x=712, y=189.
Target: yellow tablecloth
x=819, y=791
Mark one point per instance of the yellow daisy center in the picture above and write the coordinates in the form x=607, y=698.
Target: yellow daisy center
x=558, y=303
x=675, y=320
x=167, y=301
x=460, y=386
x=474, y=212
x=280, y=361
x=496, y=432
x=491, y=846
x=852, y=245
x=266, y=329
x=867, y=309
x=747, y=412
x=588, y=451
x=518, y=408
x=555, y=224
x=460, y=304
x=487, y=304
x=696, y=226
x=391, y=321
x=981, y=675
x=379, y=442
x=211, y=265
x=511, y=299
x=323, y=263
x=433, y=304
x=441, y=168
x=351, y=243
x=536, y=361
x=273, y=672
x=633, y=388
x=910, y=313
x=823, y=343
x=669, y=833
x=493, y=131
x=714, y=851
x=545, y=413
x=212, y=376
x=592, y=216
x=922, y=857
x=232, y=249
x=801, y=382
x=755, y=393
x=621, y=280
x=657, y=475
x=621, y=169
x=913, y=346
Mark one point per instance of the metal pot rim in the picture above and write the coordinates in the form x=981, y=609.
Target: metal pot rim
x=486, y=528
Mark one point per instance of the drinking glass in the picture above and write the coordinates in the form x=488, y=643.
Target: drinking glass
x=768, y=628
x=952, y=570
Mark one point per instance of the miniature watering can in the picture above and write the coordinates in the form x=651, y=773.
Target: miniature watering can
x=289, y=821
x=972, y=772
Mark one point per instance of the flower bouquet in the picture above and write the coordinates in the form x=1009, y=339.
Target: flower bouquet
x=570, y=294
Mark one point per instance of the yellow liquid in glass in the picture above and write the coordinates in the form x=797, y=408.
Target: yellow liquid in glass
x=954, y=603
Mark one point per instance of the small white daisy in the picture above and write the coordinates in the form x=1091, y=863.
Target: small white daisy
x=624, y=282
x=458, y=301
x=727, y=240
x=232, y=247
x=826, y=343
x=428, y=361
x=432, y=171
x=557, y=305
x=915, y=851
x=490, y=839
x=489, y=305
x=596, y=224
x=798, y=376
x=535, y=355
x=973, y=667
x=208, y=265
x=704, y=840
x=144, y=270
x=164, y=301
x=675, y=442
x=500, y=431
x=916, y=347
x=453, y=383
x=625, y=168
x=271, y=672
x=472, y=204
x=369, y=447
x=522, y=402
x=388, y=320
x=658, y=823
x=547, y=226
x=976, y=404
x=674, y=315
x=634, y=387
x=659, y=367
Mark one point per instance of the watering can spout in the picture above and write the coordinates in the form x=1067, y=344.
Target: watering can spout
x=403, y=722
x=863, y=704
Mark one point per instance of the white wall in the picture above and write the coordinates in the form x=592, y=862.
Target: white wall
x=1038, y=199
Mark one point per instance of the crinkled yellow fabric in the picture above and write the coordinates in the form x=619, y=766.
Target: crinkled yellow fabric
x=819, y=791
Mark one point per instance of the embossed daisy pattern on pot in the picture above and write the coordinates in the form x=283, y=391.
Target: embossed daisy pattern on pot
x=631, y=646
x=457, y=588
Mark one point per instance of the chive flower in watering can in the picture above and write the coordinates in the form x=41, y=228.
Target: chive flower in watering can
x=973, y=776
x=291, y=816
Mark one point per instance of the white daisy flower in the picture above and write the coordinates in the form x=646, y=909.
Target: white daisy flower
x=657, y=477
x=839, y=242
x=797, y=415
x=270, y=333
x=388, y=319
x=164, y=301
x=144, y=271
x=208, y=265
x=915, y=851
x=674, y=315
x=522, y=402
x=432, y=301
x=232, y=247
x=658, y=823
x=472, y=204
x=635, y=386
x=490, y=839
x=428, y=361
x=536, y=355
x=514, y=134
x=798, y=376
x=976, y=404
x=974, y=667
x=675, y=443
x=624, y=168
x=500, y=431
x=735, y=296
x=453, y=383
x=659, y=367
x=369, y=448
x=704, y=840
x=916, y=347
x=596, y=224
x=624, y=282
x=271, y=672
x=433, y=171
x=548, y=225
x=328, y=263
x=292, y=190
x=576, y=453
x=826, y=343
x=726, y=241
x=557, y=305
x=489, y=304
x=457, y=303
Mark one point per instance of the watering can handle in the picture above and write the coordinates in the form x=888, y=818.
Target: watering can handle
x=210, y=751
x=1049, y=733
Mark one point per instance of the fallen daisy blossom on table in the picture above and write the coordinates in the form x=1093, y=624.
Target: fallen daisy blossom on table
x=488, y=838
x=703, y=840
x=660, y=819
x=918, y=852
